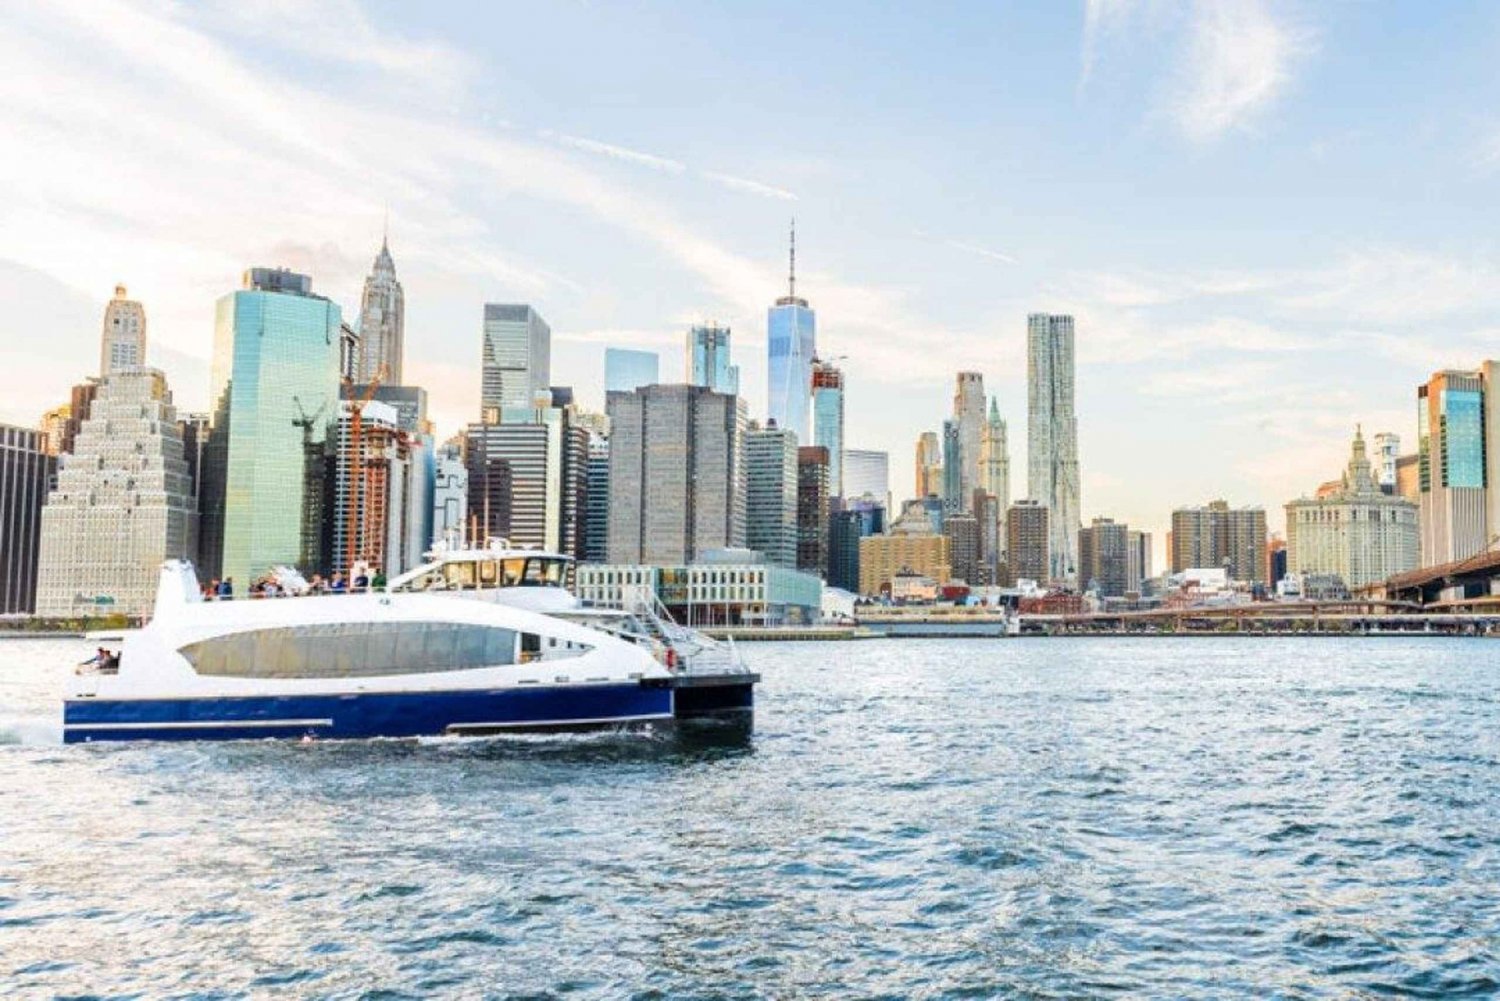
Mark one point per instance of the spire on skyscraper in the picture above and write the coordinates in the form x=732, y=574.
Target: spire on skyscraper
x=791, y=274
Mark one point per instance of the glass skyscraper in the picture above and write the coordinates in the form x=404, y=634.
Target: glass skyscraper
x=626, y=369
x=517, y=361
x=276, y=394
x=1452, y=465
x=708, y=359
x=828, y=420
x=791, y=342
x=1052, y=436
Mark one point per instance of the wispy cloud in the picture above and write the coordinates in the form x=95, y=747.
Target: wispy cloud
x=1099, y=18
x=1240, y=61
x=749, y=186
x=978, y=251
x=617, y=152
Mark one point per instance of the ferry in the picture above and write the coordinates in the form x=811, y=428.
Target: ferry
x=407, y=661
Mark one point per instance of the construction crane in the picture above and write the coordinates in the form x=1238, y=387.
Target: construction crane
x=357, y=459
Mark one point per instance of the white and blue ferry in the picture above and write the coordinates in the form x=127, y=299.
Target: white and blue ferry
x=408, y=661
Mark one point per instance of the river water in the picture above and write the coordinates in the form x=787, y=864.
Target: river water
x=1193, y=817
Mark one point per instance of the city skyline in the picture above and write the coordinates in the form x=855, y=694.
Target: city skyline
x=1387, y=290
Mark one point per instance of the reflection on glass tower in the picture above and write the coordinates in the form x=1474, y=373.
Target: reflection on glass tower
x=791, y=343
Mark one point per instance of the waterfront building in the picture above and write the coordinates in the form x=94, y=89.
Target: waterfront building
x=708, y=359
x=25, y=471
x=275, y=394
x=1137, y=560
x=676, y=474
x=847, y=526
x=1104, y=558
x=1453, y=465
x=450, y=497
x=382, y=322
x=929, y=465
x=1387, y=454
x=969, y=416
x=517, y=359
x=867, y=473
x=882, y=557
x=1028, y=539
x=962, y=531
x=828, y=420
x=123, y=503
x=1359, y=533
x=953, y=468
x=596, y=500
x=791, y=344
x=626, y=369
x=123, y=343
x=1216, y=535
x=812, y=509
x=1052, y=436
x=528, y=478
x=729, y=587
x=771, y=494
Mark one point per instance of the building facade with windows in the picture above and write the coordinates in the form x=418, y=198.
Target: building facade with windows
x=1219, y=536
x=516, y=365
x=708, y=359
x=25, y=471
x=1104, y=558
x=528, y=479
x=123, y=344
x=1052, y=437
x=771, y=494
x=730, y=588
x=1453, y=465
x=828, y=420
x=626, y=369
x=382, y=322
x=791, y=344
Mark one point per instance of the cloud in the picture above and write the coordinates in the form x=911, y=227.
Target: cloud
x=752, y=187
x=978, y=251
x=1239, y=62
x=617, y=152
x=1099, y=17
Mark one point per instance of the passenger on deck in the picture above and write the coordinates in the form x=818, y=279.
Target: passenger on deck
x=338, y=586
x=226, y=589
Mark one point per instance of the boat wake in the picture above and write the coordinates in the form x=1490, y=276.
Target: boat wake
x=30, y=730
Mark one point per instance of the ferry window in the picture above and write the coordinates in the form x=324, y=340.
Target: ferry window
x=511, y=572
x=488, y=573
x=359, y=649
x=460, y=575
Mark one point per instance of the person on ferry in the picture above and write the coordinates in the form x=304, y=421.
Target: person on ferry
x=377, y=580
x=338, y=586
x=226, y=589
x=317, y=585
x=361, y=583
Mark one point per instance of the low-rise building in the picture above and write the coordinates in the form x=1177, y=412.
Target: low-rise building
x=731, y=587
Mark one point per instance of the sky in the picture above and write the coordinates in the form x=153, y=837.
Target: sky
x=1271, y=220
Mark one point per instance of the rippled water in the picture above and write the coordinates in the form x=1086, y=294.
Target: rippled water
x=1032, y=818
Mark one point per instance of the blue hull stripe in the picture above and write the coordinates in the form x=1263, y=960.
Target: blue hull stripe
x=374, y=714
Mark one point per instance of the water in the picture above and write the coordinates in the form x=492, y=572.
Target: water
x=925, y=819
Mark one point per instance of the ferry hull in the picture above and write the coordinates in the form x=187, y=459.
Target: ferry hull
x=367, y=714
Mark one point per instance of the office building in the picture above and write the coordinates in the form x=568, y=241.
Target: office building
x=1137, y=560
x=1052, y=436
x=953, y=468
x=848, y=525
x=962, y=531
x=1387, y=455
x=123, y=343
x=828, y=420
x=528, y=479
x=1104, y=558
x=1453, y=465
x=708, y=359
x=771, y=494
x=994, y=458
x=791, y=344
x=883, y=557
x=374, y=471
x=53, y=428
x=991, y=519
x=450, y=498
x=626, y=369
x=382, y=322
x=929, y=465
x=409, y=403
x=596, y=500
x=867, y=473
x=194, y=429
x=676, y=474
x=969, y=416
x=1217, y=536
x=276, y=396
x=812, y=509
x=25, y=472
x=517, y=358
x=122, y=505
x=1359, y=532
x=1028, y=540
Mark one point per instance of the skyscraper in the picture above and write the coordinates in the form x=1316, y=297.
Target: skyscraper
x=867, y=472
x=25, y=469
x=1028, y=538
x=929, y=465
x=1052, y=436
x=123, y=502
x=771, y=497
x=953, y=468
x=123, y=344
x=962, y=531
x=528, y=479
x=1218, y=536
x=1138, y=560
x=708, y=359
x=1104, y=557
x=847, y=527
x=1453, y=466
x=812, y=509
x=791, y=343
x=626, y=369
x=517, y=360
x=828, y=420
x=596, y=506
x=382, y=322
x=450, y=497
x=373, y=478
x=994, y=458
x=1387, y=453
x=968, y=414
x=676, y=474
x=275, y=395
